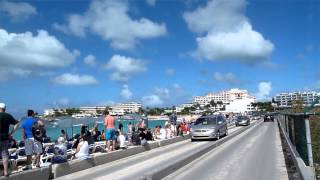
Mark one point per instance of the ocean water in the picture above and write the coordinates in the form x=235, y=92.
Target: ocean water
x=73, y=126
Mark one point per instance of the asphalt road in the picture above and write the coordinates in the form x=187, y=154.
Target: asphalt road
x=253, y=155
x=134, y=167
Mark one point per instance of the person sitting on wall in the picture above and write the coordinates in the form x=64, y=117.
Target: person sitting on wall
x=82, y=151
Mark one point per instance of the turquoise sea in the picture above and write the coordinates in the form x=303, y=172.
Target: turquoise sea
x=72, y=126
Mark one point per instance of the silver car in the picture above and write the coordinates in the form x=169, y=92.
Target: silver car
x=209, y=127
x=242, y=120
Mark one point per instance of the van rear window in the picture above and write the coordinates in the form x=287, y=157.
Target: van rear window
x=206, y=121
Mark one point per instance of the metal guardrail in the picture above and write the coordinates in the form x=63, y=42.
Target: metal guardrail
x=298, y=132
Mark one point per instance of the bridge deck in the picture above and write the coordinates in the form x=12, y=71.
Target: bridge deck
x=256, y=154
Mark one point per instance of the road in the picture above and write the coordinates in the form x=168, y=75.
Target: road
x=134, y=167
x=255, y=154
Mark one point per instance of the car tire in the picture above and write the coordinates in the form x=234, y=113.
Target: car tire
x=218, y=135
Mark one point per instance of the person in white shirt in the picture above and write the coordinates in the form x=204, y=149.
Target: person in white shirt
x=163, y=133
x=122, y=140
x=168, y=131
x=82, y=151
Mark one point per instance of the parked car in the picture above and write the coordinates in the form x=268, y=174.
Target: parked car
x=209, y=127
x=242, y=120
x=268, y=118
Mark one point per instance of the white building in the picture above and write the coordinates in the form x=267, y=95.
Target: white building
x=93, y=110
x=234, y=100
x=240, y=105
x=286, y=99
x=121, y=109
x=48, y=112
x=182, y=106
x=225, y=97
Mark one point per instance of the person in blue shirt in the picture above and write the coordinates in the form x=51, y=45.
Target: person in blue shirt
x=32, y=145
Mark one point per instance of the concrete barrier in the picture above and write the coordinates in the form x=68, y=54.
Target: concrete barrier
x=34, y=174
x=69, y=167
x=305, y=172
x=181, y=161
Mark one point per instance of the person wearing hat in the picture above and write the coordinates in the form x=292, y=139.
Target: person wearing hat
x=5, y=121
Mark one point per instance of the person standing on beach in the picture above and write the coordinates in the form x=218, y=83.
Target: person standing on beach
x=129, y=128
x=110, y=131
x=32, y=145
x=173, y=121
x=5, y=121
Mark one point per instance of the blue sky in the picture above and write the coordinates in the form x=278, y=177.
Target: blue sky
x=158, y=52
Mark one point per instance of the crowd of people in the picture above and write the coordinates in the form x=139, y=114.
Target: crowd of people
x=36, y=146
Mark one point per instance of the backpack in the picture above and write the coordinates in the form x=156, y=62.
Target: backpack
x=136, y=139
x=37, y=131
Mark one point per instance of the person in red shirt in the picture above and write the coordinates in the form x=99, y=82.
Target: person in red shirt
x=110, y=131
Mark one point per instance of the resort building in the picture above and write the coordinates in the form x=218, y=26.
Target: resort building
x=234, y=100
x=48, y=112
x=51, y=112
x=286, y=99
x=93, y=110
x=182, y=106
x=121, y=109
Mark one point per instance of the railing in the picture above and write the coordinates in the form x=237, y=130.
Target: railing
x=302, y=131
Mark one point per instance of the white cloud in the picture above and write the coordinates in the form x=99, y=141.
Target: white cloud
x=227, y=78
x=17, y=10
x=110, y=20
x=264, y=89
x=90, y=60
x=125, y=67
x=151, y=2
x=152, y=100
x=23, y=54
x=60, y=27
x=226, y=34
x=164, y=93
x=166, y=96
x=170, y=72
x=74, y=79
x=125, y=92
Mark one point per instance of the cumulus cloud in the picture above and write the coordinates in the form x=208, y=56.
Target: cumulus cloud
x=151, y=2
x=170, y=72
x=126, y=93
x=162, y=92
x=74, y=79
x=25, y=53
x=110, y=20
x=264, y=89
x=90, y=60
x=125, y=67
x=226, y=33
x=157, y=98
x=161, y=96
x=152, y=100
x=17, y=11
x=226, y=78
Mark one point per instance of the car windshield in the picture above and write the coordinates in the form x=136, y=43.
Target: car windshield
x=206, y=121
x=241, y=118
